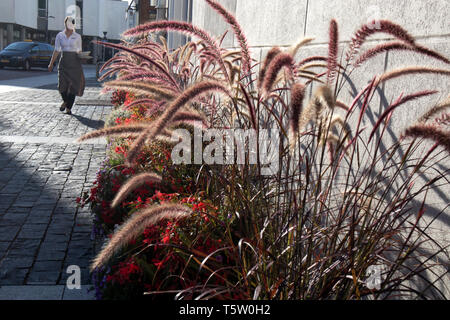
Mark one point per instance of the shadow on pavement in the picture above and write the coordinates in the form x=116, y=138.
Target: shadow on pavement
x=94, y=124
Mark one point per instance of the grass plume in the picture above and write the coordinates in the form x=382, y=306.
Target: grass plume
x=182, y=27
x=142, y=88
x=427, y=131
x=133, y=183
x=397, y=45
x=323, y=99
x=278, y=62
x=410, y=70
x=398, y=103
x=297, y=96
x=435, y=110
x=135, y=225
x=188, y=95
x=269, y=57
x=332, y=51
x=117, y=130
x=378, y=26
x=242, y=40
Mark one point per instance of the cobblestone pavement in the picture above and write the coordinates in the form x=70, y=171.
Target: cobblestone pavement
x=42, y=172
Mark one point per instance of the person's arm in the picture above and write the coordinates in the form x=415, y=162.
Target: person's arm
x=55, y=52
x=78, y=44
x=52, y=61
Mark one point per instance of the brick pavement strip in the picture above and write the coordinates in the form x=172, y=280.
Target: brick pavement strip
x=42, y=171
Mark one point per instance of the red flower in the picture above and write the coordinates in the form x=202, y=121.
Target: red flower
x=166, y=239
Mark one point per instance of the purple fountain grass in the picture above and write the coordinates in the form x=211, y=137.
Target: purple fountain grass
x=135, y=225
x=398, y=103
x=323, y=99
x=294, y=49
x=120, y=67
x=269, y=57
x=431, y=53
x=182, y=27
x=337, y=119
x=342, y=105
x=142, y=88
x=431, y=132
x=145, y=101
x=119, y=57
x=133, y=183
x=297, y=96
x=377, y=26
x=250, y=106
x=278, y=62
x=332, y=51
x=156, y=53
x=441, y=106
x=116, y=130
x=108, y=74
x=153, y=77
x=242, y=40
x=188, y=95
x=410, y=70
x=311, y=59
x=189, y=116
x=142, y=56
x=397, y=45
x=443, y=119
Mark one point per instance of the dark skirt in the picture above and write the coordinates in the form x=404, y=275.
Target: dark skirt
x=70, y=74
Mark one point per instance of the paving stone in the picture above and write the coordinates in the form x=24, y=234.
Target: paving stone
x=51, y=254
x=47, y=266
x=32, y=231
x=57, y=238
x=13, y=276
x=43, y=277
x=30, y=292
x=84, y=293
x=13, y=263
x=3, y=248
x=48, y=245
x=42, y=172
x=24, y=248
x=8, y=233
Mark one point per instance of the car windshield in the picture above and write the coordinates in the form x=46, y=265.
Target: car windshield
x=18, y=46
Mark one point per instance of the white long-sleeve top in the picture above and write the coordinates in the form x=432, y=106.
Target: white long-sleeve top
x=64, y=43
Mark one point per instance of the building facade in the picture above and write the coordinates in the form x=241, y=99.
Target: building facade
x=143, y=11
x=41, y=20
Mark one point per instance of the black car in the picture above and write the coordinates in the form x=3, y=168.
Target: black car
x=26, y=54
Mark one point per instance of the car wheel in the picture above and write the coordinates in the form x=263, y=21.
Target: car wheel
x=26, y=65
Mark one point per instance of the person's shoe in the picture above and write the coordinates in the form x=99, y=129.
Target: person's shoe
x=63, y=106
x=68, y=111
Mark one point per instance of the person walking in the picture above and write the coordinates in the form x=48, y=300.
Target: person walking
x=71, y=80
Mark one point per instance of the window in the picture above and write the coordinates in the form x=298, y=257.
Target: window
x=18, y=46
x=42, y=8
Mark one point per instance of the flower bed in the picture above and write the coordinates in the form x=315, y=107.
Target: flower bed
x=166, y=256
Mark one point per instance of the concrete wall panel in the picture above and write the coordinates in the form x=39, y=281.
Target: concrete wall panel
x=268, y=23
x=421, y=18
x=7, y=12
